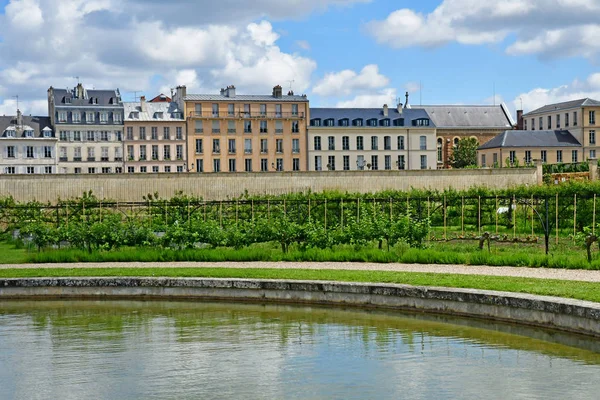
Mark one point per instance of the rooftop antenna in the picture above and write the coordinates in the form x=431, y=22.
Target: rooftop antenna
x=17, y=97
x=290, y=82
x=135, y=96
x=78, y=81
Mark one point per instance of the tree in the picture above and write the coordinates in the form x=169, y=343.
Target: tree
x=465, y=153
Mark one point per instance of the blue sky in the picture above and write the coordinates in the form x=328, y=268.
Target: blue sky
x=339, y=52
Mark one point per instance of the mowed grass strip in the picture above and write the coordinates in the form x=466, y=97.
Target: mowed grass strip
x=589, y=291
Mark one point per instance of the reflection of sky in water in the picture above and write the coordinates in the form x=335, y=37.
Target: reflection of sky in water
x=198, y=350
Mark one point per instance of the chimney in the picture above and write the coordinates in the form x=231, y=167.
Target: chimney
x=80, y=91
x=399, y=107
x=143, y=104
x=179, y=98
x=385, y=110
x=277, y=91
x=230, y=91
x=19, y=118
x=222, y=92
x=406, y=104
x=520, y=124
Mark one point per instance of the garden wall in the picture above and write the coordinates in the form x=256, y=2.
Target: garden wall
x=221, y=186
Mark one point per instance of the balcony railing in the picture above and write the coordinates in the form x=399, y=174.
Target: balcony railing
x=62, y=159
x=91, y=158
x=76, y=158
x=246, y=115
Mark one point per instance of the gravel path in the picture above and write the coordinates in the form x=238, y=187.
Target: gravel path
x=540, y=273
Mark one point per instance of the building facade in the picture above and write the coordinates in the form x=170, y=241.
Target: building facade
x=349, y=139
x=89, y=126
x=245, y=133
x=457, y=122
x=579, y=117
x=155, y=137
x=27, y=145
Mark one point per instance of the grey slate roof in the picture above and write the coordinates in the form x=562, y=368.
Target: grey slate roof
x=151, y=109
x=106, y=98
x=460, y=116
x=36, y=123
x=409, y=114
x=564, y=106
x=245, y=97
x=532, y=139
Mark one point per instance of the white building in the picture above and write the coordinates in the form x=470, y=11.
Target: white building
x=27, y=145
x=371, y=138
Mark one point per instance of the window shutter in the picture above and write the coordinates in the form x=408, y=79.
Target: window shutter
x=110, y=136
x=5, y=151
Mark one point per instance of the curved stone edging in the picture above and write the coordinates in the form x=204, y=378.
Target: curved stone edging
x=550, y=312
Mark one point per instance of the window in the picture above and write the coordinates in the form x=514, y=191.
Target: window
x=374, y=163
x=544, y=156
x=592, y=154
x=400, y=142
x=574, y=154
x=230, y=109
x=10, y=170
x=179, y=151
x=91, y=154
x=77, y=155
x=155, y=152
x=199, y=166
x=592, y=137
x=331, y=143
x=279, y=127
x=264, y=148
x=295, y=164
x=512, y=155
x=527, y=156
x=575, y=118
x=549, y=122
x=130, y=153
x=343, y=122
x=247, y=110
x=296, y=146
x=360, y=143
x=440, y=151
x=166, y=133
x=360, y=162
x=106, y=170
x=247, y=126
x=388, y=162
x=91, y=170
x=63, y=135
x=346, y=163
x=248, y=146
x=483, y=161
x=29, y=133
x=279, y=146
x=154, y=134
x=294, y=110
x=558, y=121
x=315, y=122
x=129, y=133
x=231, y=146
x=142, y=133
x=263, y=127
x=216, y=147
x=357, y=122
x=231, y=127
x=387, y=143
x=31, y=170
x=592, y=117
x=264, y=165
x=10, y=152
x=566, y=120
x=541, y=123
x=423, y=162
x=199, y=148
x=329, y=122
x=423, y=142
x=117, y=118
x=198, y=109
x=76, y=117
x=155, y=169
x=62, y=116
x=167, y=152
x=29, y=152
x=216, y=127
x=279, y=164
x=232, y=166
x=104, y=154
x=263, y=110
x=295, y=127
x=77, y=136
x=167, y=168
x=374, y=143
x=525, y=124
x=345, y=142
x=216, y=165
x=421, y=122
x=63, y=154
x=533, y=124
x=317, y=143
x=104, y=136
x=248, y=164
x=215, y=110
x=180, y=168
x=198, y=128
x=318, y=163
x=385, y=122
x=48, y=152
x=118, y=154
x=103, y=117
x=331, y=163
x=90, y=117
x=178, y=133
x=559, y=158
x=495, y=160
x=278, y=110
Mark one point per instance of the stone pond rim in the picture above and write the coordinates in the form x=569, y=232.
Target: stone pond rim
x=569, y=315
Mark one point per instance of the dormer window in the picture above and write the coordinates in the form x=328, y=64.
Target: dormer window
x=67, y=100
x=315, y=122
x=103, y=117
x=420, y=122
x=158, y=115
x=94, y=100
x=10, y=132
x=344, y=122
x=90, y=117
x=177, y=115
x=372, y=122
x=47, y=132
x=62, y=116
x=357, y=122
x=117, y=118
x=384, y=122
x=28, y=133
x=329, y=122
x=399, y=122
x=134, y=115
x=76, y=116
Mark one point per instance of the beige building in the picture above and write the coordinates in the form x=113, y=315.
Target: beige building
x=229, y=132
x=579, y=117
x=155, y=137
x=343, y=139
x=514, y=147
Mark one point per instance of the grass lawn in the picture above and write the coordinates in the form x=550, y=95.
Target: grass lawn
x=567, y=289
x=11, y=255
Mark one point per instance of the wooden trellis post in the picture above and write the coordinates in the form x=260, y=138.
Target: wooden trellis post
x=556, y=226
x=358, y=210
x=462, y=216
x=342, y=213
x=479, y=214
x=236, y=211
x=252, y=209
x=496, y=214
x=574, y=216
x=428, y=219
x=100, y=211
x=268, y=210
x=166, y=222
x=445, y=216
x=67, y=211
x=391, y=216
x=189, y=215
x=594, y=217
x=204, y=210
x=325, y=214
x=309, y=208
x=284, y=208
x=532, y=220
x=221, y=213
x=514, y=215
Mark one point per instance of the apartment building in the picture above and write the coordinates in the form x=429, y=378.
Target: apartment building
x=579, y=117
x=27, y=145
x=229, y=132
x=155, y=137
x=89, y=125
x=344, y=139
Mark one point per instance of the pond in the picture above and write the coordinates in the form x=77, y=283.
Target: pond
x=204, y=350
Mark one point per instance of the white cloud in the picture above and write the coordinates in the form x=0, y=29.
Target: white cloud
x=549, y=28
x=371, y=100
x=24, y=15
x=303, y=44
x=35, y=107
x=540, y=97
x=347, y=82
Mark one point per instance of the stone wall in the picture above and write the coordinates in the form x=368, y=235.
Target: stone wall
x=50, y=188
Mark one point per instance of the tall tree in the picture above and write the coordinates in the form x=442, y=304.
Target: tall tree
x=465, y=153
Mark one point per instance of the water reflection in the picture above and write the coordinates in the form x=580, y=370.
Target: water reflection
x=107, y=350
